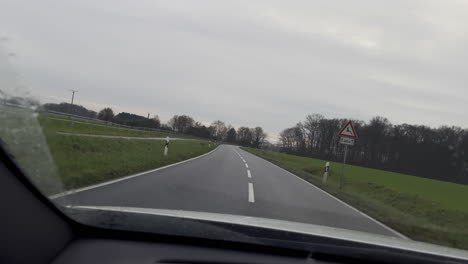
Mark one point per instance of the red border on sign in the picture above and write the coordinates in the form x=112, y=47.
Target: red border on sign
x=348, y=136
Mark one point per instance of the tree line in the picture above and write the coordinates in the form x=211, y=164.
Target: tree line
x=70, y=109
x=218, y=130
x=437, y=153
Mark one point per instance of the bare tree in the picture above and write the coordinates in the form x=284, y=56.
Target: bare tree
x=287, y=139
x=231, y=135
x=244, y=136
x=219, y=130
x=181, y=123
x=258, y=137
x=311, y=126
x=300, y=137
x=106, y=114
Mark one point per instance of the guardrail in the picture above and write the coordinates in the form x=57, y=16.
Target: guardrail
x=115, y=124
x=15, y=105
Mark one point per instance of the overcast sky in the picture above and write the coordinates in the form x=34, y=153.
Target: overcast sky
x=248, y=63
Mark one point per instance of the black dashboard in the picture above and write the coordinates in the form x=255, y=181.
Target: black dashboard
x=120, y=251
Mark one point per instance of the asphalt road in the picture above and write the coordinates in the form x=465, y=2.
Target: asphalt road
x=231, y=181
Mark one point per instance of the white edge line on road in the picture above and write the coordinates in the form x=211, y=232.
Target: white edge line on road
x=355, y=209
x=246, y=165
x=251, y=193
x=248, y=174
x=55, y=196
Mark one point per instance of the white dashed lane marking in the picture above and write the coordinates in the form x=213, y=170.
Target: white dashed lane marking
x=250, y=185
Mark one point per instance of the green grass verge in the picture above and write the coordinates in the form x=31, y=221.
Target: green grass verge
x=83, y=161
x=56, y=123
x=422, y=209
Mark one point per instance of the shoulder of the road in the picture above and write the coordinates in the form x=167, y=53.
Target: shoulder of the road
x=333, y=197
x=73, y=191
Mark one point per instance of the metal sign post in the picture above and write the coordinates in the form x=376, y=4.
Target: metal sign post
x=347, y=136
x=344, y=163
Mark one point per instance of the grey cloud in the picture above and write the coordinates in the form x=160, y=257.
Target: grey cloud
x=266, y=63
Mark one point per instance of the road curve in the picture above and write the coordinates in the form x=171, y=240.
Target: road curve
x=231, y=181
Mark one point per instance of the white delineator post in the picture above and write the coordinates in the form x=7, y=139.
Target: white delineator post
x=166, y=147
x=325, y=174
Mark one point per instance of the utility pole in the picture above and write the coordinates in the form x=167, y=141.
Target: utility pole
x=73, y=97
x=148, y=115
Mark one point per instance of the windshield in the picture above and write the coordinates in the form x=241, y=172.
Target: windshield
x=344, y=115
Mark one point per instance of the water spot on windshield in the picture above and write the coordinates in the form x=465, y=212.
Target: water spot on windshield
x=20, y=132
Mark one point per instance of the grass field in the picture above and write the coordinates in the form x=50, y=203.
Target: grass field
x=62, y=124
x=422, y=209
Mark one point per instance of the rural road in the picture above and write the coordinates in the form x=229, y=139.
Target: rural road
x=231, y=181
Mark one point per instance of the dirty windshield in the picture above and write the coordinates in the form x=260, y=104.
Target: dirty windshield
x=345, y=115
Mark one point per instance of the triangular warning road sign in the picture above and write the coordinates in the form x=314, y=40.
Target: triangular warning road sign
x=348, y=131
